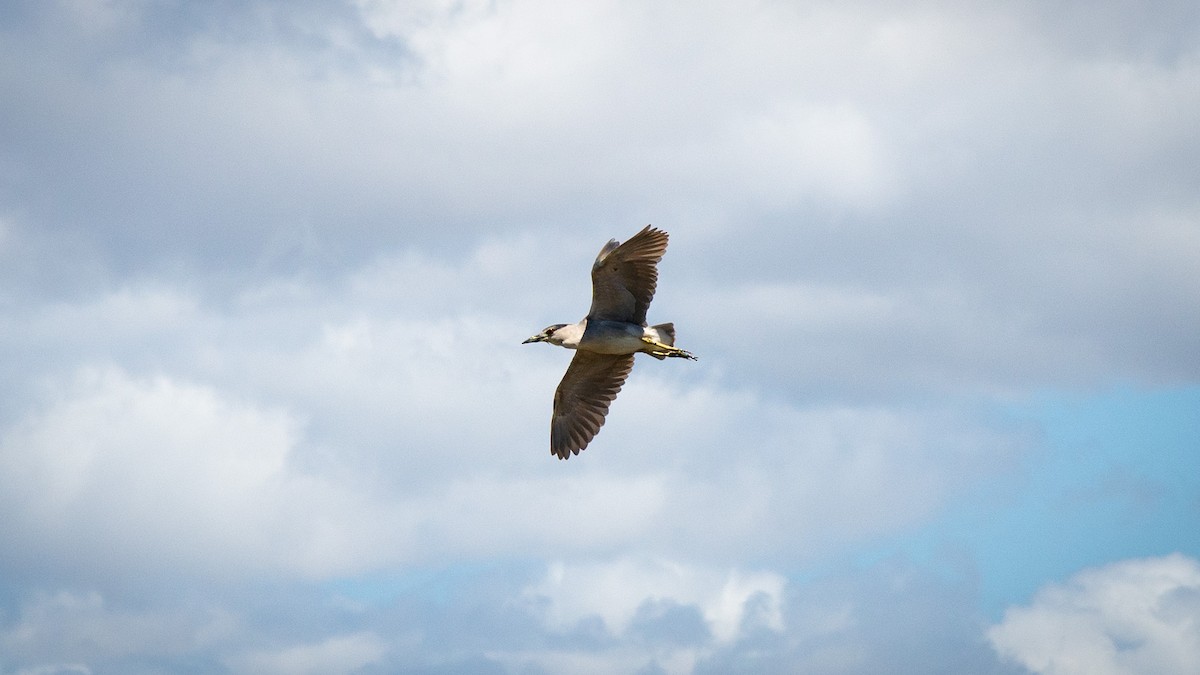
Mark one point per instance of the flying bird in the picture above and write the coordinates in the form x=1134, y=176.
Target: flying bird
x=624, y=278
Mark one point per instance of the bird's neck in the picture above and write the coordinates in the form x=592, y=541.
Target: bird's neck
x=571, y=334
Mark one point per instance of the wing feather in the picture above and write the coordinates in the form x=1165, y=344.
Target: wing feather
x=625, y=276
x=581, y=402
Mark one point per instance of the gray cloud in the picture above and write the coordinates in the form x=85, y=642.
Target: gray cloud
x=889, y=616
x=292, y=408
x=264, y=269
x=1013, y=210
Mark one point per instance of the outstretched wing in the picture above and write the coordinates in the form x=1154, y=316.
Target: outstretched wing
x=625, y=276
x=582, y=399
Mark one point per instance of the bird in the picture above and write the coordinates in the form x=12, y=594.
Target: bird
x=624, y=278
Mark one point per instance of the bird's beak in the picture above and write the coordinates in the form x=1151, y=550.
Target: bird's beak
x=535, y=338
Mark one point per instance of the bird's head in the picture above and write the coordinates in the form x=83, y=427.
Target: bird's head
x=548, y=334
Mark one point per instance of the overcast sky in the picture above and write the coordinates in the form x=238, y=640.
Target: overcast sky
x=265, y=269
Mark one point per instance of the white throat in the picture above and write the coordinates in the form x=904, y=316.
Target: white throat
x=569, y=335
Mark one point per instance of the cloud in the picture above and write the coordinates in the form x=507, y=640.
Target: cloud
x=339, y=654
x=652, y=615
x=888, y=617
x=1000, y=213
x=892, y=616
x=629, y=590
x=189, y=475
x=377, y=427
x=132, y=477
x=265, y=268
x=71, y=632
x=1132, y=616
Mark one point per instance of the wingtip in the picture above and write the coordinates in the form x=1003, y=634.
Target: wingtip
x=611, y=246
x=564, y=453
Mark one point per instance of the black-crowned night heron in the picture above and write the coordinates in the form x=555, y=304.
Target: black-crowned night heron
x=624, y=278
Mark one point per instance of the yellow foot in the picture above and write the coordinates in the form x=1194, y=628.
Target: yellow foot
x=661, y=351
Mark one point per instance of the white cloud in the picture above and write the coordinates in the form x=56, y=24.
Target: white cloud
x=781, y=156
x=1125, y=618
x=615, y=590
x=131, y=476
x=622, y=591
x=371, y=427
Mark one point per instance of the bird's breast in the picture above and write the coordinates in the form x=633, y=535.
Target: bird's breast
x=612, y=337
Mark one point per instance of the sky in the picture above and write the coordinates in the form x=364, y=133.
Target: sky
x=266, y=267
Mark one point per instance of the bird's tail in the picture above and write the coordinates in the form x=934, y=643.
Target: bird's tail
x=663, y=333
x=666, y=333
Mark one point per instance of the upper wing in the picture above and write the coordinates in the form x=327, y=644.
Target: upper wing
x=582, y=399
x=624, y=277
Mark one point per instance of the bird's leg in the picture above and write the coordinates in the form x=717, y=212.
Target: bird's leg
x=661, y=350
